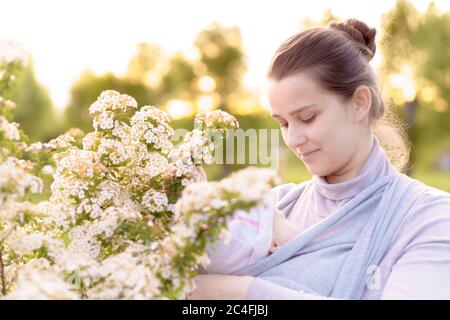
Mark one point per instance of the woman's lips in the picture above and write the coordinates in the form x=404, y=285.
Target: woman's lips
x=308, y=156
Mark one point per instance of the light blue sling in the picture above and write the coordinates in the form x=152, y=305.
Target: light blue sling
x=395, y=195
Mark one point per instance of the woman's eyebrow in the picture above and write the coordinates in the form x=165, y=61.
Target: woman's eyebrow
x=302, y=108
x=296, y=110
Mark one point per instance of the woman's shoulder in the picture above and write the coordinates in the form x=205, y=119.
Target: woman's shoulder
x=434, y=202
x=428, y=196
x=428, y=219
x=289, y=191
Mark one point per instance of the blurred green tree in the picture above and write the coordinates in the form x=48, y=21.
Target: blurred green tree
x=416, y=73
x=222, y=53
x=86, y=90
x=206, y=82
x=145, y=63
x=178, y=81
x=34, y=112
x=327, y=17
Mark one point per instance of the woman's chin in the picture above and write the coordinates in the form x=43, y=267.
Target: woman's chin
x=316, y=170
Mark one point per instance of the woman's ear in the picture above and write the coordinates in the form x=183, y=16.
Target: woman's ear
x=361, y=103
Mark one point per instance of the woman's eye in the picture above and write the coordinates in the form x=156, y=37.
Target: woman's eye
x=309, y=120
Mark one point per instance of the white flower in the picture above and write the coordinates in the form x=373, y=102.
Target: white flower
x=12, y=52
x=15, y=181
x=47, y=169
x=153, y=115
x=123, y=133
x=10, y=130
x=153, y=126
x=124, y=276
x=251, y=182
x=216, y=119
x=36, y=284
x=114, y=150
x=62, y=141
x=111, y=100
x=198, y=196
x=156, y=164
x=22, y=243
x=204, y=260
x=155, y=201
x=91, y=141
x=104, y=121
x=83, y=241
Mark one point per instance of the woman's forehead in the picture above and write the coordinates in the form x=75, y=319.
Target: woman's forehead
x=294, y=92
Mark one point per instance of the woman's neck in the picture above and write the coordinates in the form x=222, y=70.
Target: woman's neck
x=352, y=168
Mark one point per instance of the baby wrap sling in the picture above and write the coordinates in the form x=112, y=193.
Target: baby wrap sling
x=394, y=196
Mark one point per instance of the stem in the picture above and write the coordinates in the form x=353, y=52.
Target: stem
x=2, y=272
x=2, y=266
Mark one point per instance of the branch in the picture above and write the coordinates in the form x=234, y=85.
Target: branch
x=2, y=272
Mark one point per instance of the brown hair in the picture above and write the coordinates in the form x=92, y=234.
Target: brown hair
x=338, y=57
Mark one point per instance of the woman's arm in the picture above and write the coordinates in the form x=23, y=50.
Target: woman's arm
x=419, y=275
x=260, y=289
x=226, y=287
x=423, y=269
x=220, y=287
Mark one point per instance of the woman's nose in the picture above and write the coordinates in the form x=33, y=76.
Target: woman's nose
x=294, y=137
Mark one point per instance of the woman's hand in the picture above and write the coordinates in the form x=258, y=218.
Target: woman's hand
x=220, y=287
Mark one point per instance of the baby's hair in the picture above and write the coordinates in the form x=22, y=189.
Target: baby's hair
x=338, y=57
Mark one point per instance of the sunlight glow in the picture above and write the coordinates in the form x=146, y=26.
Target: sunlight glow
x=206, y=84
x=61, y=54
x=404, y=81
x=179, y=108
x=207, y=102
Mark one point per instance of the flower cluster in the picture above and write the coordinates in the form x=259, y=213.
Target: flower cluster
x=12, y=52
x=11, y=136
x=200, y=218
x=16, y=181
x=10, y=131
x=217, y=119
x=128, y=216
x=199, y=145
x=13, y=58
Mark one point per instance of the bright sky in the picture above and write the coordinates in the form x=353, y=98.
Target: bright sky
x=66, y=37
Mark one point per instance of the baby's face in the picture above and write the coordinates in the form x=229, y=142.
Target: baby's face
x=283, y=230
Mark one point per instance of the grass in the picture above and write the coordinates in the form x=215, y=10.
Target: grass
x=434, y=178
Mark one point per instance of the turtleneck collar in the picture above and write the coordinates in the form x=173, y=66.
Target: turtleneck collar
x=376, y=166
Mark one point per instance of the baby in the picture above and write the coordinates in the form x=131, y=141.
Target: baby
x=283, y=231
x=254, y=235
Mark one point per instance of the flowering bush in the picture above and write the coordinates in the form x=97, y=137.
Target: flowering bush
x=128, y=215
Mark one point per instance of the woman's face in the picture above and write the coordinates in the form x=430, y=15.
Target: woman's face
x=318, y=121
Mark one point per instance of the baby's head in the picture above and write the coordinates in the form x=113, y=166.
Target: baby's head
x=326, y=97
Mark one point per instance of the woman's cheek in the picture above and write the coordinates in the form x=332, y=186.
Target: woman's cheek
x=318, y=134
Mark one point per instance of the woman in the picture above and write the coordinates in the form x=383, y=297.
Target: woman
x=367, y=231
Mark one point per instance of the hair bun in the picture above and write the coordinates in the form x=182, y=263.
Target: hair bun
x=360, y=33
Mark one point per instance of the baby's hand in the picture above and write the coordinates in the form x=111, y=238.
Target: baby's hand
x=202, y=173
x=283, y=230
